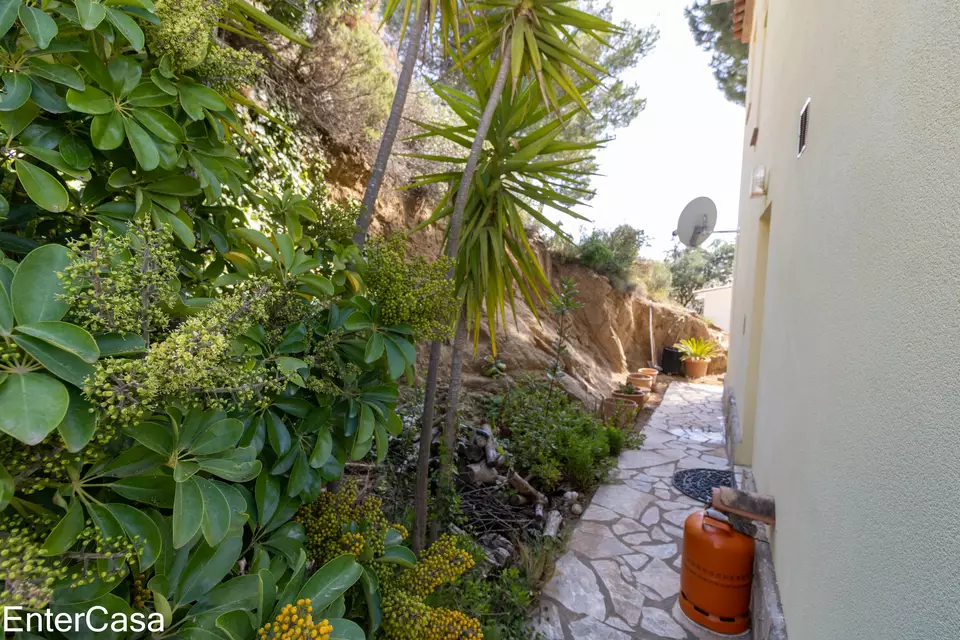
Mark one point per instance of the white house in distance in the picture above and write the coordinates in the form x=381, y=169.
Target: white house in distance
x=717, y=303
x=843, y=383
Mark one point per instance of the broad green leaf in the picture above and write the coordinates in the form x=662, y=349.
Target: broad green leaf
x=159, y=124
x=394, y=424
x=393, y=538
x=8, y=14
x=115, y=344
x=182, y=185
x=267, y=493
x=148, y=94
x=240, y=593
x=163, y=83
x=207, y=567
x=36, y=289
x=374, y=348
x=90, y=100
x=59, y=73
x=7, y=488
x=396, y=362
x=31, y=406
x=140, y=529
x=216, y=512
x=323, y=448
x=14, y=122
x=222, y=435
x=75, y=152
x=331, y=581
x=6, y=312
x=371, y=592
x=66, y=336
x=361, y=448
x=383, y=442
x=90, y=13
x=183, y=470
x=300, y=474
x=16, y=91
x=80, y=422
x=316, y=285
x=61, y=363
x=66, y=532
x=106, y=131
x=45, y=95
x=43, y=188
x=187, y=512
x=236, y=625
x=155, y=436
x=95, y=617
x=399, y=555
x=55, y=160
x=367, y=420
x=259, y=241
x=155, y=489
x=134, y=461
x=143, y=146
x=125, y=73
x=38, y=24
x=345, y=630
x=277, y=433
x=126, y=26
x=232, y=471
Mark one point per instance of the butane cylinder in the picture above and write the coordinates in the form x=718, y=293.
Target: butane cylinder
x=717, y=574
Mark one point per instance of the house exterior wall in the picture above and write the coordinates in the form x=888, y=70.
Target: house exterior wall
x=857, y=391
x=717, y=305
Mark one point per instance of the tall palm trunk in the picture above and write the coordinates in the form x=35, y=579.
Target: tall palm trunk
x=392, y=127
x=453, y=248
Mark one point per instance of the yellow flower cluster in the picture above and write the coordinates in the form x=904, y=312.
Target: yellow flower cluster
x=296, y=621
x=406, y=617
x=336, y=523
x=443, y=562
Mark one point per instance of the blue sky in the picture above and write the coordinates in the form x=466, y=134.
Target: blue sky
x=687, y=143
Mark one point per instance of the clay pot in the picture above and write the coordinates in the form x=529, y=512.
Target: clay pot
x=640, y=380
x=695, y=367
x=622, y=413
x=652, y=373
x=638, y=398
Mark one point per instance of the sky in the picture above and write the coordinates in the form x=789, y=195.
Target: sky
x=686, y=143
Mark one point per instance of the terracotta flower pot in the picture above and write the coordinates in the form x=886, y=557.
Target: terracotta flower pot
x=622, y=413
x=640, y=380
x=652, y=373
x=638, y=398
x=695, y=367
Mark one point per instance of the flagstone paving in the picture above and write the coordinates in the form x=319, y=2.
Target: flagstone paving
x=619, y=577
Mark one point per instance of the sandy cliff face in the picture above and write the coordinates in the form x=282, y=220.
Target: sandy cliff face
x=609, y=336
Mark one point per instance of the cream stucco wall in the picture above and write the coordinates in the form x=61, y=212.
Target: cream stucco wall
x=857, y=429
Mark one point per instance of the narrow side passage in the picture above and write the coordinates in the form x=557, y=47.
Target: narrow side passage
x=620, y=576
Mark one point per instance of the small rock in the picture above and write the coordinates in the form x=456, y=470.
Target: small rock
x=571, y=496
x=576, y=509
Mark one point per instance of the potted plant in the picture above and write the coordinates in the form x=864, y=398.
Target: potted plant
x=619, y=412
x=641, y=380
x=696, y=354
x=629, y=392
x=647, y=371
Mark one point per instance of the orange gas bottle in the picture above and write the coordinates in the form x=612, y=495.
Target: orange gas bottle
x=717, y=573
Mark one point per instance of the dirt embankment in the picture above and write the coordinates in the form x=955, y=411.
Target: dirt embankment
x=609, y=336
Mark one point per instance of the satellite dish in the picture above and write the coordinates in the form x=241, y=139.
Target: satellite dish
x=696, y=222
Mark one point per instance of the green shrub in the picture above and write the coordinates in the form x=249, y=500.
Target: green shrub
x=552, y=437
x=617, y=439
x=610, y=253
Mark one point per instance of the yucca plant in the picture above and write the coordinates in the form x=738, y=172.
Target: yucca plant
x=518, y=171
x=697, y=349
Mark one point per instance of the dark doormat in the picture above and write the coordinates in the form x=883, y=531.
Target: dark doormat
x=699, y=483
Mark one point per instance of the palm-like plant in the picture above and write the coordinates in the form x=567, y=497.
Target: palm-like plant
x=531, y=36
x=697, y=349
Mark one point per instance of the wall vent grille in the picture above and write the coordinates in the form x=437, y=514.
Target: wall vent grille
x=803, y=129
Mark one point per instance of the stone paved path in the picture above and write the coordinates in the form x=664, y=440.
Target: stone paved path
x=619, y=578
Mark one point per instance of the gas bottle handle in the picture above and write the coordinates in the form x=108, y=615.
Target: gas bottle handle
x=716, y=520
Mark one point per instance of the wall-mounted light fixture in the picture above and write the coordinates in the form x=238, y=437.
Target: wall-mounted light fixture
x=758, y=182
